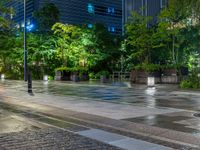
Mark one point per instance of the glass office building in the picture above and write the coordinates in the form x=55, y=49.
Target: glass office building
x=144, y=7
x=78, y=12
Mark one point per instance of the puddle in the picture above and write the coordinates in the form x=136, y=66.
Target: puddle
x=196, y=115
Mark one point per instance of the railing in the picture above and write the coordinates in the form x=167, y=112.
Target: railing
x=123, y=76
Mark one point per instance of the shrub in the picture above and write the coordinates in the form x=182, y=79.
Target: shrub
x=192, y=82
x=50, y=78
x=74, y=69
x=186, y=84
x=102, y=73
x=148, y=67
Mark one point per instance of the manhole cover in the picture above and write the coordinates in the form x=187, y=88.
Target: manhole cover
x=197, y=114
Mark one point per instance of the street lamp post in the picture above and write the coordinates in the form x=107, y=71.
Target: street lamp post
x=25, y=46
x=27, y=74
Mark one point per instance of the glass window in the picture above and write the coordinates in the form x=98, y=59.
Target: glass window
x=111, y=10
x=111, y=29
x=90, y=26
x=90, y=8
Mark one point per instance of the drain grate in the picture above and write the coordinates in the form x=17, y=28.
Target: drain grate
x=197, y=114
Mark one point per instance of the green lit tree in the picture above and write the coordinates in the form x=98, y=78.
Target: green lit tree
x=139, y=38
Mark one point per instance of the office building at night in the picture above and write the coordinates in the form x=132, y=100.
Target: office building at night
x=77, y=12
x=144, y=7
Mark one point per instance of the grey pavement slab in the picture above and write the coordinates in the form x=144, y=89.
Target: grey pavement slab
x=101, y=135
x=133, y=144
x=121, y=141
x=86, y=105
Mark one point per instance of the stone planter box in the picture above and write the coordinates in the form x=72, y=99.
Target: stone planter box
x=75, y=78
x=58, y=76
x=103, y=79
x=84, y=77
x=170, y=79
x=62, y=76
x=141, y=76
x=169, y=72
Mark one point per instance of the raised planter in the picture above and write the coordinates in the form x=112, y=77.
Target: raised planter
x=141, y=76
x=75, y=78
x=170, y=76
x=103, y=79
x=58, y=76
x=84, y=76
x=170, y=79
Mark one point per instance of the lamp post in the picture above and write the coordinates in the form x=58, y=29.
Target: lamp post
x=25, y=46
x=27, y=74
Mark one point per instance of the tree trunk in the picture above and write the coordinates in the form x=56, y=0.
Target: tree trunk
x=173, y=49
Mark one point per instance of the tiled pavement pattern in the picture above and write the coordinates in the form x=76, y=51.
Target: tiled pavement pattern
x=45, y=138
x=121, y=141
x=97, y=122
x=50, y=139
x=150, y=102
x=184, y=122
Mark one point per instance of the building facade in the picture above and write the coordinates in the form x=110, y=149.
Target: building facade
x=144, y=7
x=77, y=12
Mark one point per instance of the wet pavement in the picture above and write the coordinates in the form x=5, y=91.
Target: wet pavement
x=160, y=96
x=164, y=106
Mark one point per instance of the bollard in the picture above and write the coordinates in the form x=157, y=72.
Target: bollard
x=30, y=83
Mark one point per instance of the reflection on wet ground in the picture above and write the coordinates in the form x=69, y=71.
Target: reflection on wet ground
x=174, y=121
x=161, y=96
x=16, y=119
x=10, y=122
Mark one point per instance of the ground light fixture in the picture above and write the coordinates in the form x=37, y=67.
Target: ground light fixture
x=2, y=76
x=151, y=81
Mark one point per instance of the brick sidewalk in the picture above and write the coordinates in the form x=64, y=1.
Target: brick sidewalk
x=50, y=139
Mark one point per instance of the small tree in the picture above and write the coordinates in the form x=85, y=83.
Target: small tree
x=139, y=37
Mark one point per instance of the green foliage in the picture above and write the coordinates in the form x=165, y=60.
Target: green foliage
x=5, y=22
x=173, y=42
x=50, y=78
x=102, y=73
x=148, y=67
x=74, y=69
x=186, y=84
x=139, y=38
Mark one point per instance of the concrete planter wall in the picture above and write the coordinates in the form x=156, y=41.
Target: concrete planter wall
x=170, y=79
x=75, y=78
x=58, y=76
x=103, y=79
x=70, y=76
x=168, y=76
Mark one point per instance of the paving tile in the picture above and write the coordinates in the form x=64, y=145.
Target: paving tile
x=101, y=135
x=133, y=144
x=121, y=141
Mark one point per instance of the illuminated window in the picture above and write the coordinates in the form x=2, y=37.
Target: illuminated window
x=111, y=29
x=90, y=26
x=111, y=10
x=90, y=8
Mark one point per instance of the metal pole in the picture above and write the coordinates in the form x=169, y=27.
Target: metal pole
x=25, y=45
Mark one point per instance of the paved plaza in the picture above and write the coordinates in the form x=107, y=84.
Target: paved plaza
x=114, y=115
